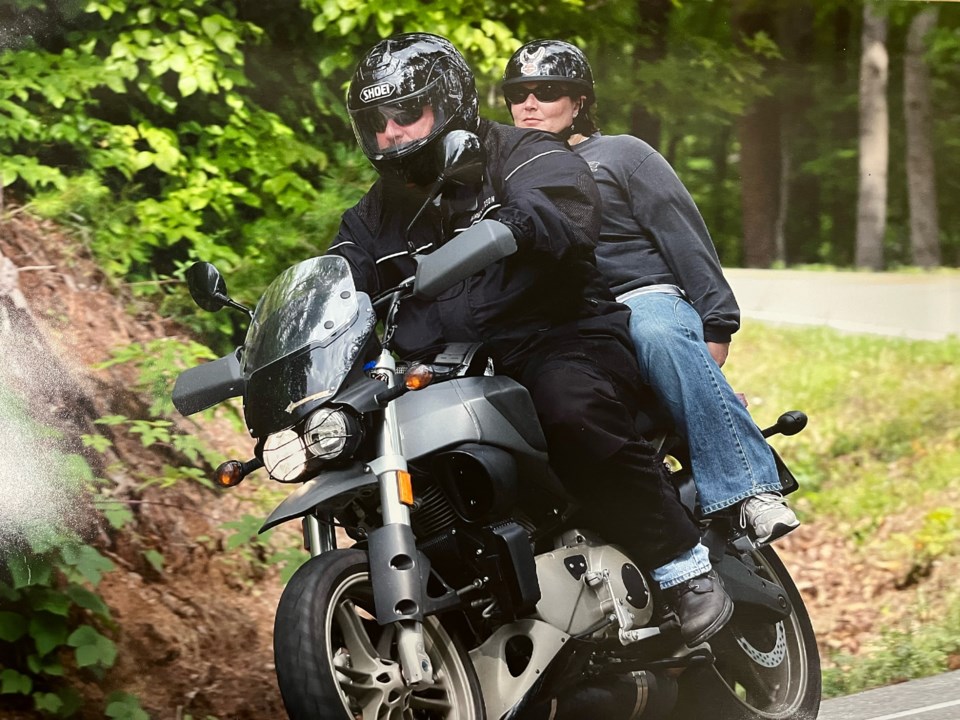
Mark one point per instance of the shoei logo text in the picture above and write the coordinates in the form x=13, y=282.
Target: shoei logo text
x=376, y=92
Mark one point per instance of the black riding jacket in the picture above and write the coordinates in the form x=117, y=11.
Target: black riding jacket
x=550, y=290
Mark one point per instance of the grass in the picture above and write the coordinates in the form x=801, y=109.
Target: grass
x=879, y=461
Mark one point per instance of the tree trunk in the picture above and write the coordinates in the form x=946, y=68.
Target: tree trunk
x=759, y=134
x=653, y=21
x=874, y=141
x=921, y=182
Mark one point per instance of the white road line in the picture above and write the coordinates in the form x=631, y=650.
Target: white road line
x=916, y=711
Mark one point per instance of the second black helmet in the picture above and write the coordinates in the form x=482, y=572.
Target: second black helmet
x=550, y=61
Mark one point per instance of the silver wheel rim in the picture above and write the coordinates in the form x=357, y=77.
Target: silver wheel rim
x=369, y=679
x=766, y=669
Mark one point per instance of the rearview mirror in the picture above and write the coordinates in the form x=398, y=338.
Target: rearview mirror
x=463, y=158
x=207, y=286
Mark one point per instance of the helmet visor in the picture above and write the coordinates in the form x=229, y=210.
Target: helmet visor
x=397, y=127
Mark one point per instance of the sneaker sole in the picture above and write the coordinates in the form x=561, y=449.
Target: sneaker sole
x=778, y=531
x=714, y=627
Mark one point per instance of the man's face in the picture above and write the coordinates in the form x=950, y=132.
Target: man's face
x=404, y=125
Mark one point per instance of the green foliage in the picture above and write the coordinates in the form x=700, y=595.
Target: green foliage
x=923, y=648
x=882, y=440
x=123, y=706
x=52, y=612
x=256, y=547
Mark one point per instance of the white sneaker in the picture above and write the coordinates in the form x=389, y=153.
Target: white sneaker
x=767, y=517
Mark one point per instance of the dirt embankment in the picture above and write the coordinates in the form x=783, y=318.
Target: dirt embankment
x=195, y=639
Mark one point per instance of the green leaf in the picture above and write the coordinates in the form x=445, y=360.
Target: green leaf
x=48, y=702
x=88, y=600
x=92, y=648
x=123, y=706
x=87, y=562
x=27, y=571
x=45, y=666
x=155, y=559
x=98, y=443
x=12, y=682
x=187, y=85
x=48, y=631
x=52, y=601
x=12, y=626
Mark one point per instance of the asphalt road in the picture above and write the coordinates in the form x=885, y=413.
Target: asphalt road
x=920, y=306
x=935, y=698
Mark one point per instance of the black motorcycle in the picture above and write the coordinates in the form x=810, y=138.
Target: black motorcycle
x=466, y=592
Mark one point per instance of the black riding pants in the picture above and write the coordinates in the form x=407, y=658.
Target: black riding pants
x=586, y=392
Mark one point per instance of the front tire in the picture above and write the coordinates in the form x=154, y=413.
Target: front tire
x=334, y=661
x=762, y=671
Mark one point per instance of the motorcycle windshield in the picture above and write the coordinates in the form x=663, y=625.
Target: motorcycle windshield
x=310, y=303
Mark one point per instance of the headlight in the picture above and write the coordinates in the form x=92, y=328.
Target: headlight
x=285, y=455
x=330, y=433
x=327, y=434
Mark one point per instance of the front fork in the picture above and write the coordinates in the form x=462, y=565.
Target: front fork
x=395, y=564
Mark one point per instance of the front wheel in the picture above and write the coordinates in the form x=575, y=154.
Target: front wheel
x=335, y=661
x=762, y=671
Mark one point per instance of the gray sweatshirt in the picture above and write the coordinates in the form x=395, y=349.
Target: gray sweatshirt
x=652, y=232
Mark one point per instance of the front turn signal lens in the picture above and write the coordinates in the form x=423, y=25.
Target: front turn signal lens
x=418, y=377
x=229, y=474
x=405, y=487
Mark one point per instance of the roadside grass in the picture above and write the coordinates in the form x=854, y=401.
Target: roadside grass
x=879, y=461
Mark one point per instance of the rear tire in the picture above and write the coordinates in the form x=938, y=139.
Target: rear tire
x=762, y=671
x=334, y=661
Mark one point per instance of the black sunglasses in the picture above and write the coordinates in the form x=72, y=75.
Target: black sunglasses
x=402, y=113
x=544, y=92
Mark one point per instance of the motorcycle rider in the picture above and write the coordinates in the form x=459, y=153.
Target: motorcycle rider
x=545, y=314
x=659, y=260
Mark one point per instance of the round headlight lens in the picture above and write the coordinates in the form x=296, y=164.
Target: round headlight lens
x=285, y=456
x=326, y=433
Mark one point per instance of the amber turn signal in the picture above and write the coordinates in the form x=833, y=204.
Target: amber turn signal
x=418, y=377
x=229, y=474
x=405, y=487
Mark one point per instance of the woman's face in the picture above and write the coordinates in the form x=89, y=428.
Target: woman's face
x=551, y=115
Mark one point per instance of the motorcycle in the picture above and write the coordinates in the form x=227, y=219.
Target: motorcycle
x=466, y=591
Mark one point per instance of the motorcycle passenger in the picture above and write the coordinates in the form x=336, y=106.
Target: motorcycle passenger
x=545, y=313
x=658, y=258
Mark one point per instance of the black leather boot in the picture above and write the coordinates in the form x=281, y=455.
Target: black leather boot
x=702, y=606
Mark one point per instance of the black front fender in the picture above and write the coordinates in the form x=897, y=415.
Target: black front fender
x=329, y=491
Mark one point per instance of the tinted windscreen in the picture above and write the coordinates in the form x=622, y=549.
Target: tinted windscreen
x=309, y=303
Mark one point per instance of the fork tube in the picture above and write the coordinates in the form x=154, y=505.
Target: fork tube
x=396, y=581
x=319, y=536
x=390, y=455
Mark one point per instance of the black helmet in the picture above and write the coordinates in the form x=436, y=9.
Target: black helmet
x=397, y=79
x=550, y=61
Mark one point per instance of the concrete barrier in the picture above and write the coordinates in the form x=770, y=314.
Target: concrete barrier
x=923, y=306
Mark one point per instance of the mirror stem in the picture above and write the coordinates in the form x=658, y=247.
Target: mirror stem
x=431, y=196
x=229, y=302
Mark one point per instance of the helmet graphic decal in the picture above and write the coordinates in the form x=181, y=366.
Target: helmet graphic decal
x=530, y=62
x=376, y=92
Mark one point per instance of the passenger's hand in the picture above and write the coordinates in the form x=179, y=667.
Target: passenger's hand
x=719, y=351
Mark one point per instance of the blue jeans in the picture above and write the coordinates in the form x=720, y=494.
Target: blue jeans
x=730, y=459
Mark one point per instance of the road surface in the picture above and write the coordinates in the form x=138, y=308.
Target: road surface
x=920, y=306
x=935, y=698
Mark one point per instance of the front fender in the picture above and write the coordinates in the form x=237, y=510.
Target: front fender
x=330, y=491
